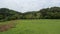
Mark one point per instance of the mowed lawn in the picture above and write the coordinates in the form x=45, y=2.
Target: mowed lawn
x=42, y=26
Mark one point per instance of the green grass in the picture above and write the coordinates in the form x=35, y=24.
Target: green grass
x=42, y=26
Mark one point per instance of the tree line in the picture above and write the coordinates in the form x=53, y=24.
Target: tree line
x=46, y=13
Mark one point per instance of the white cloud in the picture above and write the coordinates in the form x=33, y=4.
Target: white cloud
x=28, y=5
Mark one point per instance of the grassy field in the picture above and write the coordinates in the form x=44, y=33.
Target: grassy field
x=42, y=26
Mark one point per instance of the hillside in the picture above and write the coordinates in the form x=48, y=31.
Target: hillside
x=7, y=14
x=46, y=13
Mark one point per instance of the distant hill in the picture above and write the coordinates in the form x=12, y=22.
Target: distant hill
x=47, y=13
x=7, y=14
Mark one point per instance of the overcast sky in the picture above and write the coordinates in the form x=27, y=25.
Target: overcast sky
x=28, y=5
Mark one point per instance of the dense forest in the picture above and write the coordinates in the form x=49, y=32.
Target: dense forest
x=46, y=13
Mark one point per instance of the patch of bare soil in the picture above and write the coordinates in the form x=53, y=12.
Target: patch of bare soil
x=6, y=27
